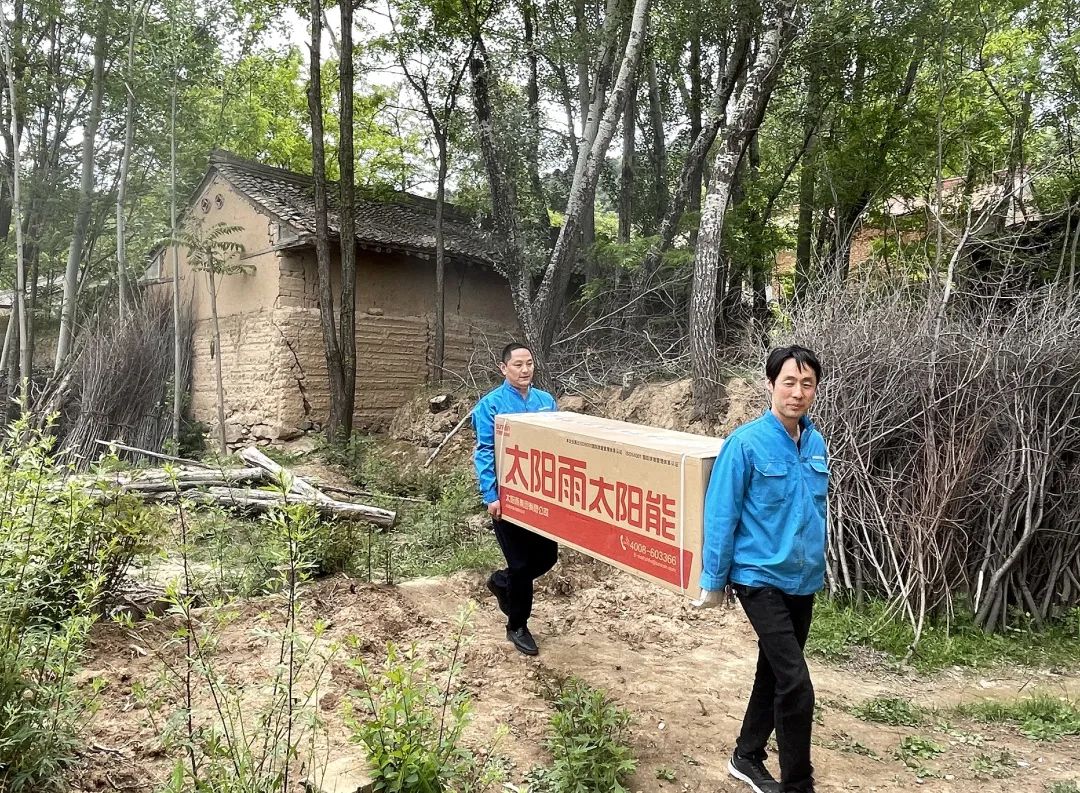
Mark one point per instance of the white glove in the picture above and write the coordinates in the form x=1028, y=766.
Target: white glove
x=710, y=598
x=713, y=597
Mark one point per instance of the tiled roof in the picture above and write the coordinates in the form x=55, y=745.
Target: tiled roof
x=396, y=221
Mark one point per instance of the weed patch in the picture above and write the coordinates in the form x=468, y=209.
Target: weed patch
x=1041, y=718
x=838, y=626
x=890, y=710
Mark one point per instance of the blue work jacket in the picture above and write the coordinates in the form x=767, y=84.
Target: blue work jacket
x=765, y=509
x=504, y=399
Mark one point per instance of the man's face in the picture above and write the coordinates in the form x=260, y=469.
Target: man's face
x=518, y=371
x=794, y=390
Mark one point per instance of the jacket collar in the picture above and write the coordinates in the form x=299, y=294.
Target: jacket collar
x=507, y=387
x=804, y=423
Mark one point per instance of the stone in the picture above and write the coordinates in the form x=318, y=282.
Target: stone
x=574, y=404
x=344, y=775
x=234, y=433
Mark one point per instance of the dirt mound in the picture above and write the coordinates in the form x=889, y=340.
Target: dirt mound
x=669, y=404
x=665, y=404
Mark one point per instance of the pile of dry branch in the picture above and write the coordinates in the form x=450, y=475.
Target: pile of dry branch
x=243, y=489
x=955, y=444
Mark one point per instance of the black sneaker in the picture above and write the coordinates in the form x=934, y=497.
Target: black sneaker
x=500, y=594
x=752, y=772
x=523, y=640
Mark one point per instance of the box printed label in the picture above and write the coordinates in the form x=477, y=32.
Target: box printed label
x=632, y=523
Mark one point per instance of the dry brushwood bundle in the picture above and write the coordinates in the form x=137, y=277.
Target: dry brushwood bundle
x=955, y=445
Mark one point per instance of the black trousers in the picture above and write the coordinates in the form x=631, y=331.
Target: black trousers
x=783, y=695
x=528, y=556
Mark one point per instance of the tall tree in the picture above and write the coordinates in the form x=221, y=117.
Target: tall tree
x=347, y=226
x=539, y=311
x=753, y=99
x=86, y=191
x=433, y=54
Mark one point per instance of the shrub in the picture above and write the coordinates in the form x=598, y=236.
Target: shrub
x=63, y=546
x=412, y=727
x=588, y=742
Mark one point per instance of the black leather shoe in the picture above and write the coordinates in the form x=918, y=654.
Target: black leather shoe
x=523, y=640
x=500, y=593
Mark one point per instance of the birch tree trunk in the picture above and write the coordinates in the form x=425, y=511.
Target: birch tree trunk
x=86, y=189
x=178, y=390
x=440, y=259
x=125, y=161
x=752, y=100
x=19, y=314
x=552, y=289
x=659, y=147
x=626, y=177
x=804, y=245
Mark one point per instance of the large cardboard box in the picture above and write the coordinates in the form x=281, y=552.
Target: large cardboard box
x=624, y=493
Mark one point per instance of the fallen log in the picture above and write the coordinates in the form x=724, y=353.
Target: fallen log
x=265, y=500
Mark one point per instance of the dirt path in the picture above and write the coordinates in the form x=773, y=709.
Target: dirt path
x=683, y=674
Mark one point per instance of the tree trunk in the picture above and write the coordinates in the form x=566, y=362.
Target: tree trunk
x=505, y=216
x=659, y=148
x=626, y=177
x=178, y=387
x=532, y=94
x=752, y=101
x=327, y=316
x=694, y=186
x=218, y=382
x=18, y=319
x=804, y=235
x=585, y=95
x=690, y=176
x=123, y=293
x=440, y=260
x=346, y=165
x=579, y=207
x=86, y=189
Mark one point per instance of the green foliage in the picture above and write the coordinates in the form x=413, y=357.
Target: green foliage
x=1064, y=787
x=588, y=742
x=1041, y=718
x=666, y=774
x=890, y=710
x=63, y=546
x=240, y=743
x=914, y=749
x=411, y=725
x=839, y=625
x=994, y=766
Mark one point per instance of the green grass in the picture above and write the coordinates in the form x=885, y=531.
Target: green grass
x=1042, y=717
x=838, y=627
x=1064, y=787
x=895, y=711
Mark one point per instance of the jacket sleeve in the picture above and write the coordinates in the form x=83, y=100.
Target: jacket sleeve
x=723, y=508
x=483, y=419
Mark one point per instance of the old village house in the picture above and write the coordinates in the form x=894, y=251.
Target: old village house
x=273, y=362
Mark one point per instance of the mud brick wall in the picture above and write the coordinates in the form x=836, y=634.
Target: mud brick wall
x=274, y=369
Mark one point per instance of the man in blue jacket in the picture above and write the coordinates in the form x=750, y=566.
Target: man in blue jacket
x=528, y=555
x=765, y=540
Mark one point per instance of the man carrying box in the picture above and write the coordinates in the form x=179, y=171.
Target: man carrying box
x=764, y=538
x=528, y=555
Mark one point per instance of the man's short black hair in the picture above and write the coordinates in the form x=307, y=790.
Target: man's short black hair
x=803, y=357
x=510, y=348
